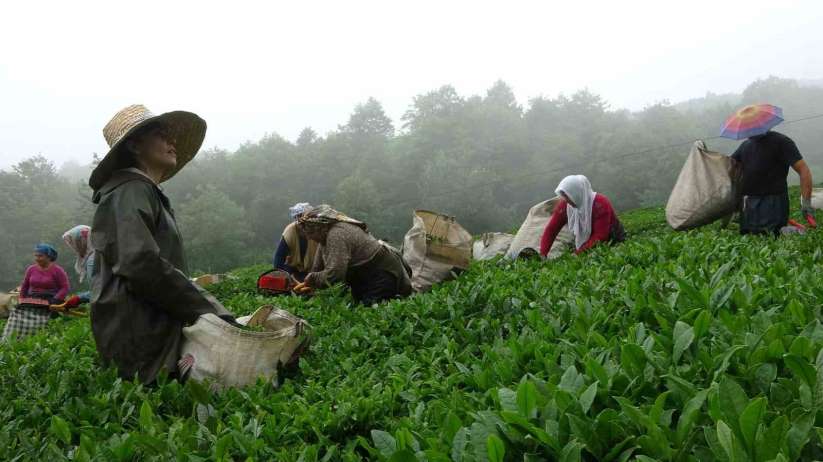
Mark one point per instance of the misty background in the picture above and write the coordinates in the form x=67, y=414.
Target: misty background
x=469, y=108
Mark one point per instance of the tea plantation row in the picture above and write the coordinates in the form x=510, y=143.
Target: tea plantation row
x=690, y=346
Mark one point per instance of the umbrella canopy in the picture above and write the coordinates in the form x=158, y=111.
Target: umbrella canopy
x=752, y=120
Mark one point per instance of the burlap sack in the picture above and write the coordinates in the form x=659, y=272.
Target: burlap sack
x=5, y=304
x=228, y=356
x=527, y=240
x=434, y=246
x=817, y=198
x=490, y=245
x=705, y=189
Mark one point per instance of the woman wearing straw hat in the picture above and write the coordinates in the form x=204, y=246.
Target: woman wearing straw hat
x=141, y=296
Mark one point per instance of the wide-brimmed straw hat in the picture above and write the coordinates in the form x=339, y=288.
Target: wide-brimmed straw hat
x=187, y=129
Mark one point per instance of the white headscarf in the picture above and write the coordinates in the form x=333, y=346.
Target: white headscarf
x=579, y=190
x=77, y=239
x=299, y=209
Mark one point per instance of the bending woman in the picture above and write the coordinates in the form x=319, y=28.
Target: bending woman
x=295, y=253
x=141, y=295
x=44, y=280
x=348, y=253
x=589, y=215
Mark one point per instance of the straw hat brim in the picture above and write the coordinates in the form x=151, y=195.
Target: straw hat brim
x=187, y=128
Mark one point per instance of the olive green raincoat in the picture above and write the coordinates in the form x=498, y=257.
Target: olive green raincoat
x=141, y=295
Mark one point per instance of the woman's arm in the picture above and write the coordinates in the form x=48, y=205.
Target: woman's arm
x=24, y=286
x=279, y=260
x=602, y=218
x=557, y=221
x=63, y=285
x=332, y=260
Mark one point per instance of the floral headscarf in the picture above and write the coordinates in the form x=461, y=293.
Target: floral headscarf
x=298, y=209
x=78, y=239
x=324, y=215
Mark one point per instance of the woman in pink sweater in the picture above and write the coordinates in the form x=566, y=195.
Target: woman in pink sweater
x=44, y=280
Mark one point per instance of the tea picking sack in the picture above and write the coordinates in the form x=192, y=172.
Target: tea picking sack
x=527, y=240
x=229, y=356
x=491, y=245
x=817, y=198
x=434, y=247
x=705, y=189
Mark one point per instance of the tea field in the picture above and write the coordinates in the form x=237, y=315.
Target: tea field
x=692, y=346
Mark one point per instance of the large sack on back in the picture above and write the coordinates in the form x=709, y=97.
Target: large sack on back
x=527, y=240
x=491, y=245
x=5, y=304
x=817, y=198
x=704, y=191
x=434, y=247
x=229, y=356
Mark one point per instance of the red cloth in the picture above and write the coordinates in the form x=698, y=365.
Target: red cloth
x=603, y=218
x=53, y=280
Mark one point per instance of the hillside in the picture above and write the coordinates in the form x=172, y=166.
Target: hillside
x=672, y=346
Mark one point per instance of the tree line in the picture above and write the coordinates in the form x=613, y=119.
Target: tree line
x=483, y=158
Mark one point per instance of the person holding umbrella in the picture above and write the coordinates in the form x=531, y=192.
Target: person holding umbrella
x=765, y=158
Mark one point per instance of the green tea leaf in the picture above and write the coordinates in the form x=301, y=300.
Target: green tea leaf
x=198, y=392
x=495, y=448
x=799, y=434
x=571, y=452
x=690, y=414
x=633, y=359
x=459, y=444
x=726, y=439
x=683, y=337
x=587, y=397
x=60, y=429
x=570, y=381
x=403, y=455
x=527, y=399
x=750, y=420
x=702, y=324
x=732, y=400
x=802, y=369
x=146, y=417
x=508, y=399
x=772, y=440
x=384, y=442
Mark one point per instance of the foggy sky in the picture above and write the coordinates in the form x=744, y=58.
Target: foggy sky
x=251, y=68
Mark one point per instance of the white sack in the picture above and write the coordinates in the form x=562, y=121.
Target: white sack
x=704, y=191
x=232, y=357
x=491, y=245
x=817, y=198
x=527, y=240
x=433, y=247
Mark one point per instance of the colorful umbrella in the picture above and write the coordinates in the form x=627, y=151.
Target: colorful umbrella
x=752, y=120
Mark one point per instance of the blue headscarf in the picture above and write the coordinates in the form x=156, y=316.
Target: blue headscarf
x=46, y=250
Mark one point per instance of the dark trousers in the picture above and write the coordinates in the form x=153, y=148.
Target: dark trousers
x=764, y=214
x=370, y=286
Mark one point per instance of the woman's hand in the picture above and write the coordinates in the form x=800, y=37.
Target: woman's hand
x=302, y=288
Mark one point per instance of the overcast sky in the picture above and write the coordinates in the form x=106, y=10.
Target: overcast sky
x=251, y=68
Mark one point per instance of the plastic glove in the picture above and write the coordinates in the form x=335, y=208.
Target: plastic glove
x=73, y=302
x=806, y=206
